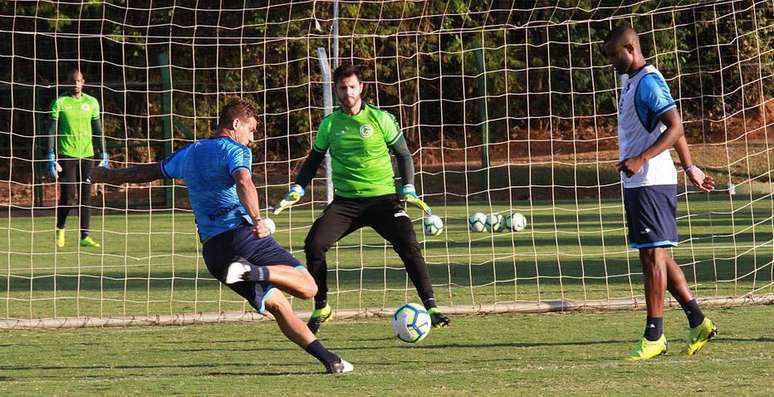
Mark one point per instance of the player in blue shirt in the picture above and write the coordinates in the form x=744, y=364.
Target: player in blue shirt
x=237, y=247
x=648, y=126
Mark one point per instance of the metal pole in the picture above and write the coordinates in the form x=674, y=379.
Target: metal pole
x=325, y=69
x=327, y=92
x=483, y=112
x=166, y=121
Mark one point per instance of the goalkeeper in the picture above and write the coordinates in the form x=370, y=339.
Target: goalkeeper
x=76, y=117
x=360, y=138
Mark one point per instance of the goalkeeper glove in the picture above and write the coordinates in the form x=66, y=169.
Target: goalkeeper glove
x=53, y=166
x=105, y=161
x=409, y=194
x=291, y=197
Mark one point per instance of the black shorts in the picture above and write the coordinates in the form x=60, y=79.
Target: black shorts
x=221, y=250
x=651, y=214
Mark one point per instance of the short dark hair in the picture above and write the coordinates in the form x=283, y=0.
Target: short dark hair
x=345, y=71
x=236, y=108
x=73, y=71
x=622, y=34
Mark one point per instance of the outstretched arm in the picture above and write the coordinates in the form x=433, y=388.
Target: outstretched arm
x=309, y=168
x=405, y=163
x=117, y=176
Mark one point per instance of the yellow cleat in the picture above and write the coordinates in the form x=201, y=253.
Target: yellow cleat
x=60, y=238
x=318, y=317
x=646, y=349
x=89, y=242
x=699, y=335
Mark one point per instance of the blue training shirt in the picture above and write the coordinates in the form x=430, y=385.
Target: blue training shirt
x=645, y=97
x=207, y=167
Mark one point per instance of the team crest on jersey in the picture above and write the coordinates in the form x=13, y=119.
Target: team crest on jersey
x=366, y=131
x=85, y=107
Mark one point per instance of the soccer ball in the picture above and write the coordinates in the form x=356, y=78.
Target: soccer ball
x=477, y=222
x=516, y=222
x=269, y=225
x=494, y=222
x=433, y=225
x=411, y=323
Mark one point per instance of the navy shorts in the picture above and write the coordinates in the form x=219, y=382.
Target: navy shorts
x=223, y=249
x=651, y=214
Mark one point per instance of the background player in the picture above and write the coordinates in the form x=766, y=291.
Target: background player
x=75, y=122
x=648, y=125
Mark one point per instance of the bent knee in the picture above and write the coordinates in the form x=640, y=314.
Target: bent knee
x=276, y=303
x=308, y=286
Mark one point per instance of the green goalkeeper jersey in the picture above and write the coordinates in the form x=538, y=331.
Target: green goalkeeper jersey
x=74, y=117
x=360, y=157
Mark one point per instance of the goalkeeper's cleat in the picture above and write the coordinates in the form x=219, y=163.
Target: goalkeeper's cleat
x=339, y=367
x=437, y=318
x=646, y=349
x=60, y=238
x=89, y=242
x=237, y=271
x=318, y=317
x=699, y=335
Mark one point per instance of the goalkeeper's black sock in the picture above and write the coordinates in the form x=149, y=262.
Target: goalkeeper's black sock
x=429, y=303
x=321, y=353
x=320, y=304
x=654, y=328
x=694, y=314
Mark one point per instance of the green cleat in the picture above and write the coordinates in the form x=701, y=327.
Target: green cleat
x=646, y=349
x=89, y=242
x=438, y=319
x=319, y=316
x=699, y=335
x=60, y=238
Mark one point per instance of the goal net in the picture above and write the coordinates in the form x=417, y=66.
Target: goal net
x=506, y=108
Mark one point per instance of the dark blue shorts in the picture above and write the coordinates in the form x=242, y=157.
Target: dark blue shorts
x=651, y=214
x=221, y=250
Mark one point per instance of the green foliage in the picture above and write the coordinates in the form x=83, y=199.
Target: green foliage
x=543, y=67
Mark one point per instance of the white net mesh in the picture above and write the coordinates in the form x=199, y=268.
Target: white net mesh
x=506, y=109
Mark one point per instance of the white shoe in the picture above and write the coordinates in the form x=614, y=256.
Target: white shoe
x=341, y=367
x=237, y=272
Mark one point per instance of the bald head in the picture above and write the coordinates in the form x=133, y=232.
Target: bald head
x=622, y=48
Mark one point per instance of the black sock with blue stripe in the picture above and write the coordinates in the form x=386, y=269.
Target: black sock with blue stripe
x=429, y=303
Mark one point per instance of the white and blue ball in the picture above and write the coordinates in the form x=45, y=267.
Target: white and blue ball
x=269, y=225
x=494, y=222
x=477, y=222
x=516, y=222
x=433, y=225
x=411, y=323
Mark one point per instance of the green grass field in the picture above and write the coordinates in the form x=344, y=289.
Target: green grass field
x=150, y=263
x=501, y=355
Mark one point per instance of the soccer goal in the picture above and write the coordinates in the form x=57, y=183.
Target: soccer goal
x=507, y=108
